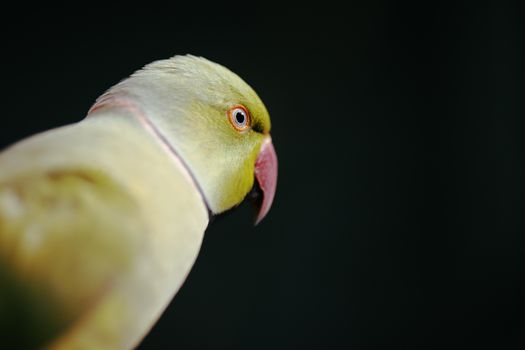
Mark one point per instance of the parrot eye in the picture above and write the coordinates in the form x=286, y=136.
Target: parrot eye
x=239, y=117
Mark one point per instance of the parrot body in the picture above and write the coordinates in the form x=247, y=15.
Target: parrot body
x=70, y=197
x=101, y=221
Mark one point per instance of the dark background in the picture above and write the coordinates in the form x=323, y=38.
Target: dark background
x=398, y=219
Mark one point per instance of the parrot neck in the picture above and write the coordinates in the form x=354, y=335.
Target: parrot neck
x=110, y=102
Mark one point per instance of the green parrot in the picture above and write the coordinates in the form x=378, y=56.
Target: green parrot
x=102, y=220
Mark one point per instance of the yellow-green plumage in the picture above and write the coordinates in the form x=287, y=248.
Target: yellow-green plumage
x=199, y=93
x=44, y=219
x=101, y=221
x=95, y=237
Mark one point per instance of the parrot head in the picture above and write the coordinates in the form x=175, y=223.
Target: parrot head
x=211, y=120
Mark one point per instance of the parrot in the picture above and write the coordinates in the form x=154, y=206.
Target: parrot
x=101, y=220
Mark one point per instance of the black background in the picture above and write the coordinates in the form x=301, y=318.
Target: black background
x=398, y=219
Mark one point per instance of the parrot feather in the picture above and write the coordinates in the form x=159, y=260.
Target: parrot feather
x=102, y=220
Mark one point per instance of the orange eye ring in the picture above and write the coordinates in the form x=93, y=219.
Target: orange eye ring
x=239, y=117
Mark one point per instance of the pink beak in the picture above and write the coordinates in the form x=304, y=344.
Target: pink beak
x=266, y=176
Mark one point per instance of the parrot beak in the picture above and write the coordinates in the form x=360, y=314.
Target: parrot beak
x=266, y=176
